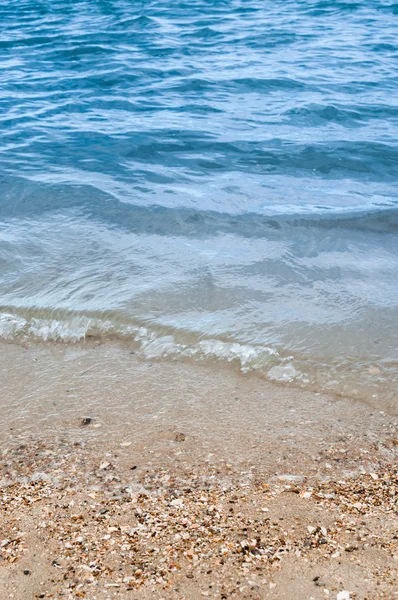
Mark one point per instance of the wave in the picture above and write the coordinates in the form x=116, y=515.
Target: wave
x=347, y=116
x=152, y=341
x=29, y=199
x=327, y=7
x=363, y=381
x=259, y=185
x=180, y=154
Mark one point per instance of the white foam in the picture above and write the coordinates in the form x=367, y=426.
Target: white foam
x=247, y=357
x=51, y=329
x=152, y=345
x=11, y=325
x=287, y=373
x=72, y=329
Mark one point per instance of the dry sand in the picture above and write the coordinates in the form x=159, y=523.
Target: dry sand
x=121, y=478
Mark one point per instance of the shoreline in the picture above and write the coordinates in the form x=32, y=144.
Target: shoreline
x=371, y=380
x=166, y=451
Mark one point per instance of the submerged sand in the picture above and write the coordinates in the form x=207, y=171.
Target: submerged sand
x=130, y=479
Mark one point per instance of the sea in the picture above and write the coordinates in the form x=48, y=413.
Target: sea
x=205, y=181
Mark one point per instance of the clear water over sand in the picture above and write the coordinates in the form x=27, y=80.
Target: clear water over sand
x=212, y=182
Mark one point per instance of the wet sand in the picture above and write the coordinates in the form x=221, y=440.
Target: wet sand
x=130, y=479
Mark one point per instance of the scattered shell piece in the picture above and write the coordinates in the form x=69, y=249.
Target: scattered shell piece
x=344, y=595
x=311, y=529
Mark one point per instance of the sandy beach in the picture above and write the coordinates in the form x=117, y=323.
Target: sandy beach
x=135, y=479
x=198, y=300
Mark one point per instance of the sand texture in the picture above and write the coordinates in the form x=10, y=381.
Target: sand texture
x=127, y=479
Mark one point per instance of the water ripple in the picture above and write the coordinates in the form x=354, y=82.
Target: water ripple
x=223, y=174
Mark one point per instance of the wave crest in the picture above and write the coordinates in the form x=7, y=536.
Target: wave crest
x=360, y=380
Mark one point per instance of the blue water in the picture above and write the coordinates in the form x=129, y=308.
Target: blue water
x=208, y=180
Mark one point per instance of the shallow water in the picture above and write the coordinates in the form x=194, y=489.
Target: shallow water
x=206, y=180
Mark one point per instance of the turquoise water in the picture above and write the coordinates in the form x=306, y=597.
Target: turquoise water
x=205, y=180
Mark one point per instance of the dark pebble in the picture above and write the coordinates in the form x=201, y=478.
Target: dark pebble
x=26, y=572
x=86, y=421
x=351, y=548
